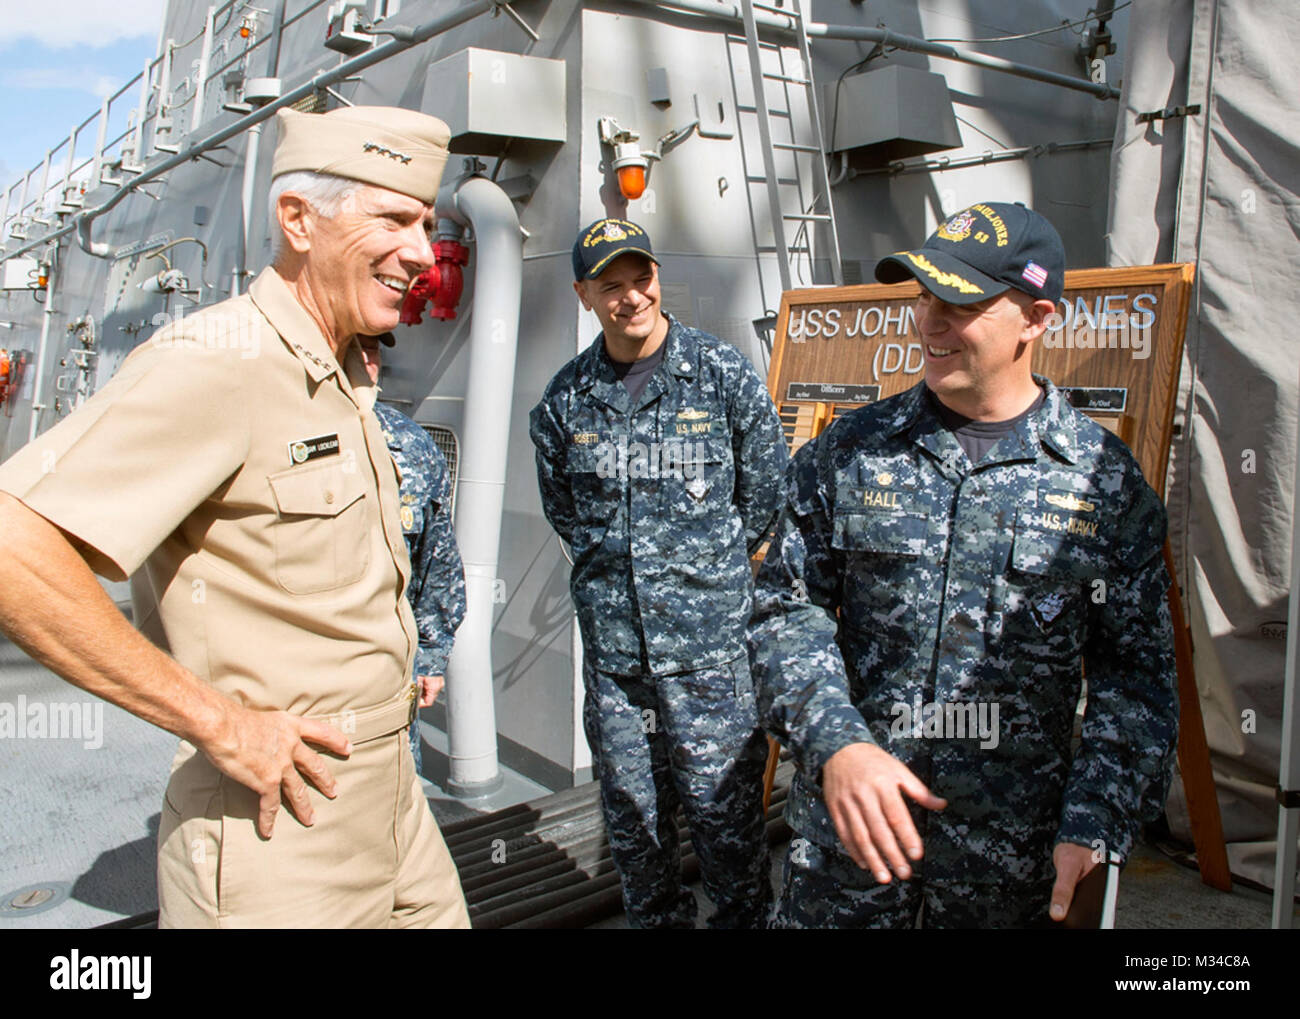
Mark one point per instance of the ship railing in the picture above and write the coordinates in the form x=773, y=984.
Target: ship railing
x=185, y=86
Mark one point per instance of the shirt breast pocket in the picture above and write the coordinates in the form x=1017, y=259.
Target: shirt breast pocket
x=595, y=478
x=698, y=477
x=884, y=563
x=1055, y=579
x=322, y=533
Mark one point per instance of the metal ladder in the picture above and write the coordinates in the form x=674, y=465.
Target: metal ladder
x=782, y=192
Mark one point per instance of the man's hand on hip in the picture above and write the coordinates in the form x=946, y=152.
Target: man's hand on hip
x=267, y=751
x=863, y=787
x=1072, y=862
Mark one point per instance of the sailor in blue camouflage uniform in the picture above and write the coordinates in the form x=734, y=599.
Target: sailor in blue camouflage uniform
x=660, y=459
x=949, y=562
x=437, y=587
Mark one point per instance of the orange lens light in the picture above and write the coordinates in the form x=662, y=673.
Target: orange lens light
x=631, y=181
x=244, y=32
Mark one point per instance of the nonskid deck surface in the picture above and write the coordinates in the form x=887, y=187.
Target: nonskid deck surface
x=79, y=817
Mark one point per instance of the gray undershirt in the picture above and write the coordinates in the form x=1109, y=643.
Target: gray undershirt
x=635, y=375
x=978, y=437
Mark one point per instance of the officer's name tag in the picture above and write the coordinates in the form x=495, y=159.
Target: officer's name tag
x=311, y=449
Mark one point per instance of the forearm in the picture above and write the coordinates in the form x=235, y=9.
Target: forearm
x=53, y=607
x=1120, y=775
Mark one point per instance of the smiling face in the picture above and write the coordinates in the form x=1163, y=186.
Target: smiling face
x=625, y=298
x=357, y=265
x=977, y=356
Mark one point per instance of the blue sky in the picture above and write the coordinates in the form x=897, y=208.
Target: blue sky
x=56, y=66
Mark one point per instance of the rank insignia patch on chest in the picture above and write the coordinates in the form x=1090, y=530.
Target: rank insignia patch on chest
x=311, y=449
x=697, y=488
x=1049, y=606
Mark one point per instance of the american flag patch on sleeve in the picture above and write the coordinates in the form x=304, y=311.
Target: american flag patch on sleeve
x=1035, y=273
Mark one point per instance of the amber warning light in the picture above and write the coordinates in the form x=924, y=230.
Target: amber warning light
x=631, y=181
x=630, y=164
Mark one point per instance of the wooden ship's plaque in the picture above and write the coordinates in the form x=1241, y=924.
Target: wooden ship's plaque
x=1114, y=346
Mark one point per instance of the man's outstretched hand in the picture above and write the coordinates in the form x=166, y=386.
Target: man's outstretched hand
x=863, y=787
x=267, y=751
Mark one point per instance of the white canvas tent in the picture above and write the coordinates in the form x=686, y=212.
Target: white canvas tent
x=1219, y=187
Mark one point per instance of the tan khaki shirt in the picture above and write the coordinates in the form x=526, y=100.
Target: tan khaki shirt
x=234, y=461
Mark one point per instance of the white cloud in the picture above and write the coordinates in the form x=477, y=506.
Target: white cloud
x=76, y=79
x=86, y=23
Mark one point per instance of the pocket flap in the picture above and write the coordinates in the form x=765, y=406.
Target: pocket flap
x=1055, y=553
x=324, y=491
x=889, y=533
x=699, y=450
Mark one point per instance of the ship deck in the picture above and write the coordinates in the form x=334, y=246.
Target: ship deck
x=80, y=823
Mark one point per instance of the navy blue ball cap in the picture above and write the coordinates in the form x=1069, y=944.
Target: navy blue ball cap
x=981, y=252
x=603, y=241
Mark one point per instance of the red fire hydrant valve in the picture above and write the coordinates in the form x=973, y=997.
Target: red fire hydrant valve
x=440, y=284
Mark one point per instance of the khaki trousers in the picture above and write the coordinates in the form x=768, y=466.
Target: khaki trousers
x=373, y=858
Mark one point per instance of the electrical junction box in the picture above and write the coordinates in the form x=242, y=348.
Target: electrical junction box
x=488, y=97
x=20, y=274
x=893, y=113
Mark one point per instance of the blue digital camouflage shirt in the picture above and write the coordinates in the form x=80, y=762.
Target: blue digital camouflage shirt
x=437, y=587
x=661, y=503
x=907, y=591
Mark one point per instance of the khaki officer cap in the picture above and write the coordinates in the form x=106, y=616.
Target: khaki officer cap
x=392, y=148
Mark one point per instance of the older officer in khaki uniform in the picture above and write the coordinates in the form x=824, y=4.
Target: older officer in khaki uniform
x=234, y=466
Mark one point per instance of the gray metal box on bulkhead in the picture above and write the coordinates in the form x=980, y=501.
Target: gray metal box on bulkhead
x=488, y=97
x=889, y=114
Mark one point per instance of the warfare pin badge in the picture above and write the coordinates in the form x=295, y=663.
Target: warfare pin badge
x=311, y=449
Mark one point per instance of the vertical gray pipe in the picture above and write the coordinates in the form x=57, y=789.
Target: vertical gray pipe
x=246, y=208
x=273, y=44
x=201, y=75
x=480, y=494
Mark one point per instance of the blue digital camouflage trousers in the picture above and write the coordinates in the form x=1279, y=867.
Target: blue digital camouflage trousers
x=689, y=739
x=822, y=888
